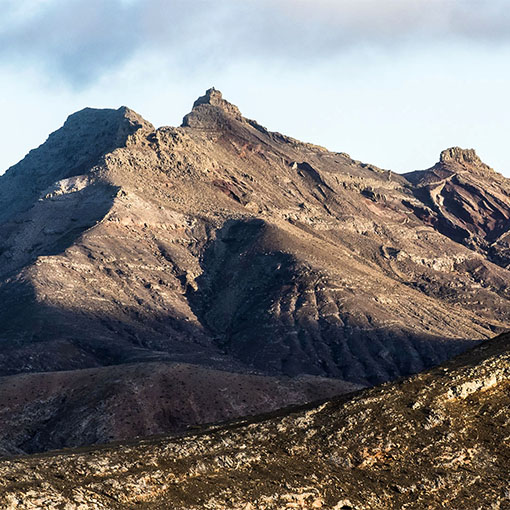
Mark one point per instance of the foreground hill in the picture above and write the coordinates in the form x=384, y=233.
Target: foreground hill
x=228, y=248
x=436, y=440
x=50, y=410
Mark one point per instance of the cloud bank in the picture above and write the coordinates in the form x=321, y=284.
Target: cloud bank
x=80, y=40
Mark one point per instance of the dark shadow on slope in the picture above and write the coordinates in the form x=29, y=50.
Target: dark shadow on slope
x=253, y=299
x=72, y=150
x=52, y=225
x=37, y=337
x=133, y=394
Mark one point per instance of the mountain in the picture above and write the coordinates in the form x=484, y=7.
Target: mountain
x=436, y=440
x=238, y=256
x=467, y=201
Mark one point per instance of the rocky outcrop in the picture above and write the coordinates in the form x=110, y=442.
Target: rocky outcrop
x=214, y=98
x=458, y=156
x=437, y=440
x=467, y=201
x=210, y=109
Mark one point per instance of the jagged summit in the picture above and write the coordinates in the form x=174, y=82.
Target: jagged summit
x=456, y=158
x=214, y=97
x=72, y=150
x=90, y=112
x=87, y=133
x=453, y=160
x=209, y=107
x=120, y=122
x=458, y=155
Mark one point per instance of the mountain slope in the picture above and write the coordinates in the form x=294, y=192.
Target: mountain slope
x=228, y=247
x=436, y=440
x=468, y=201
x=53, y=410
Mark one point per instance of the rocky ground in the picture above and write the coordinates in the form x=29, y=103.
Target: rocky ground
x=221, y=246
x=440, y=439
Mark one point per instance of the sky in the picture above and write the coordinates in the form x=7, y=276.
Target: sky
x=389, y=82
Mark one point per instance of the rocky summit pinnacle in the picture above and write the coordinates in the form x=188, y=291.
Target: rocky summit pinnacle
x=210, y=106
x=212, y=96
x=461, y=156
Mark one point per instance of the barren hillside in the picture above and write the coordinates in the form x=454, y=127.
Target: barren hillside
x=222, y=246
x=437, y=440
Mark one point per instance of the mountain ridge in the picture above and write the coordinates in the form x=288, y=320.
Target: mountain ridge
x=227, y=247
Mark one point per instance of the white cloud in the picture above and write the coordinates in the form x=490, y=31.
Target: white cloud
x=81, y=40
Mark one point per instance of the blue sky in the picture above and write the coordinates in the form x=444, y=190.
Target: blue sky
x=390, y=82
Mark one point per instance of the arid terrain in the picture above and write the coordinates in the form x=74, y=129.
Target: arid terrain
x=153, y=280
x=440, y=439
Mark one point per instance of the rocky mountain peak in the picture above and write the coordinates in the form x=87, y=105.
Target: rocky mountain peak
x=134, y=117
x=210, y=107
x=74, y=149
x=467, y=201
x=117, y=124
x=456, y=155
x=211, y=96
x=214, y=97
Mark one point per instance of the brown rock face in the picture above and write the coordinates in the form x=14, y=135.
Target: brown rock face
x=230, y=248
x=467, y=201
x=214, y=97
x=456, y=155
x=210, y=107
